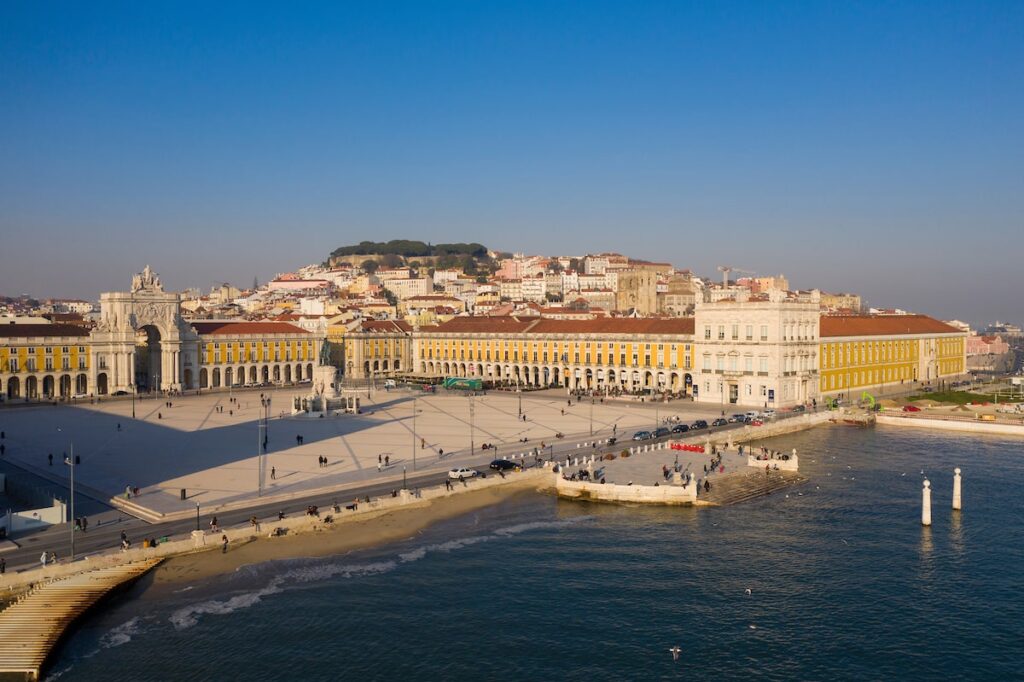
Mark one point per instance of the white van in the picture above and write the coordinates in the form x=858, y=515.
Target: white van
x=390, y=383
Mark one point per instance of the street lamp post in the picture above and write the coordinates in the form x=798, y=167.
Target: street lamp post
x=405, y=486
x=591, y=415
x=472, y=427
x=263, y=426
x=70, y=461
x=414, y=399
x=197, y=516
x=134, y=388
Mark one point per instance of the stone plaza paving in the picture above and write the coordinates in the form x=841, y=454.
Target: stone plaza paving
x=208, y=444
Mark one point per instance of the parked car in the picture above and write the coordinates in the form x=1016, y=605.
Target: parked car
x=661, y=432
x=680, y=428
x=504, y=465
x=641, y=435
x=911, y=408
x=768, y=414
x=462, y=472
x=429, y=388
x=927, y=389
x=737, y=418
x=721, y=421
x=799, y=408
x=120, y=393
x=390, y=383
x=753, y=414
x=699, y=424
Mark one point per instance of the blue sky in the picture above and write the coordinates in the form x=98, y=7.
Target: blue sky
x=874, y=147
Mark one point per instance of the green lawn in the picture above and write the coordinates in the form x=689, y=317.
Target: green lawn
x=953, y=397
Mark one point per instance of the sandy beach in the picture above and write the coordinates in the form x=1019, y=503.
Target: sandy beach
x=344, y=535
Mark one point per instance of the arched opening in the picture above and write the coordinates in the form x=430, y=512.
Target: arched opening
x=13, y=388
x=216, y=377
x=31, y=388
x=397, y=365
x=253, y=374
x=229, y=374
x=101, y=383
x=366, y=368
x=266, y=374
x=277, y=373
x=204, y=381
x=147, y=358
x=688, y=382
x=81, y=384
x=288, y=373
x=309, y=370
x=65, y=386
x=48, y=386
x=240, y=376
x=298, y=372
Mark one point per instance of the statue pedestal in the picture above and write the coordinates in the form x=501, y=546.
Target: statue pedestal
x=325, y=381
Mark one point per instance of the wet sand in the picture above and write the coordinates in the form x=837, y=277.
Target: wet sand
x=343, y=536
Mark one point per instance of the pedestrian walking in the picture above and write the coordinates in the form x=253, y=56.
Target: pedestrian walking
x=255, y=523
x=43, y=558
x=224, y=543
x=85, y=524
x=387, y=460
x=213, y=524
x=50, y=458
x=273, y=473
x=3, y=565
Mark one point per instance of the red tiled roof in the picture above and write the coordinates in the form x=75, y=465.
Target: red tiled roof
x=882, y=325
x=617, y=325
x=392, y=326
x=232, y=328
x=516, y=325
x=18, y=331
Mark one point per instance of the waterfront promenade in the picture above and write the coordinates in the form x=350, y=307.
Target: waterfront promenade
x=208, y=444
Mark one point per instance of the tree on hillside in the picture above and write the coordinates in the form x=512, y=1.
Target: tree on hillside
x=369, y=266
x=391, y=260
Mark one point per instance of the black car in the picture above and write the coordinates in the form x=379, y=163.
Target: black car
x=719, y=422
x=680, y=428
x=799, y=408
x=661, y=431
x=699, y=424
x=505, y=465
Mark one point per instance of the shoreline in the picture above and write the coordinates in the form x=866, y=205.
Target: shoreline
x=344, y=535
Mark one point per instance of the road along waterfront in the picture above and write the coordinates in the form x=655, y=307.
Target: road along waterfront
x=845, y=583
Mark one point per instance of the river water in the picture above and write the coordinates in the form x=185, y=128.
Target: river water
x=844, y=583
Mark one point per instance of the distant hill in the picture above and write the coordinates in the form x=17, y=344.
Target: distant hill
x=410, y=249
x=471, y=258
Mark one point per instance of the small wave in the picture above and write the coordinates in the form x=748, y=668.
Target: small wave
x=295, y=575
x=122, y=634
x=184, y=589
x=188, y=616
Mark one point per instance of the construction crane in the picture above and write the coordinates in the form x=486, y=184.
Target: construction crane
x=726, y=269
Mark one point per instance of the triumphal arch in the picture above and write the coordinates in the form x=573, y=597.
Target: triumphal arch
x=141, y=343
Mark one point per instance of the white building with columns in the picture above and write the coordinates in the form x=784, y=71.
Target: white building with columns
x=757, y=349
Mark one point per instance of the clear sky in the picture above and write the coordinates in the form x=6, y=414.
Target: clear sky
x=873, y=147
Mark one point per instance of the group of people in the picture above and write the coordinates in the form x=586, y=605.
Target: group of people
x=82, y=524
x=321, y=460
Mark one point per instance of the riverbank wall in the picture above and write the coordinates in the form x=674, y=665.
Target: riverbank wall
x=670, y=495
x=12, y=584
x=961, y=424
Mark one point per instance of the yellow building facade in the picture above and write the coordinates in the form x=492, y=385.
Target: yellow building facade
x=862, y=352
x=252, y=353
x=613, y=354
x=44, y=361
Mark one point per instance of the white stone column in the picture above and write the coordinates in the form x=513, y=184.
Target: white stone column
x=956, y=489
x=926, y=504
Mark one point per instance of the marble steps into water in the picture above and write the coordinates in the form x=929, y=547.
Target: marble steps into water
x=740, y=487
x=32, y=625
